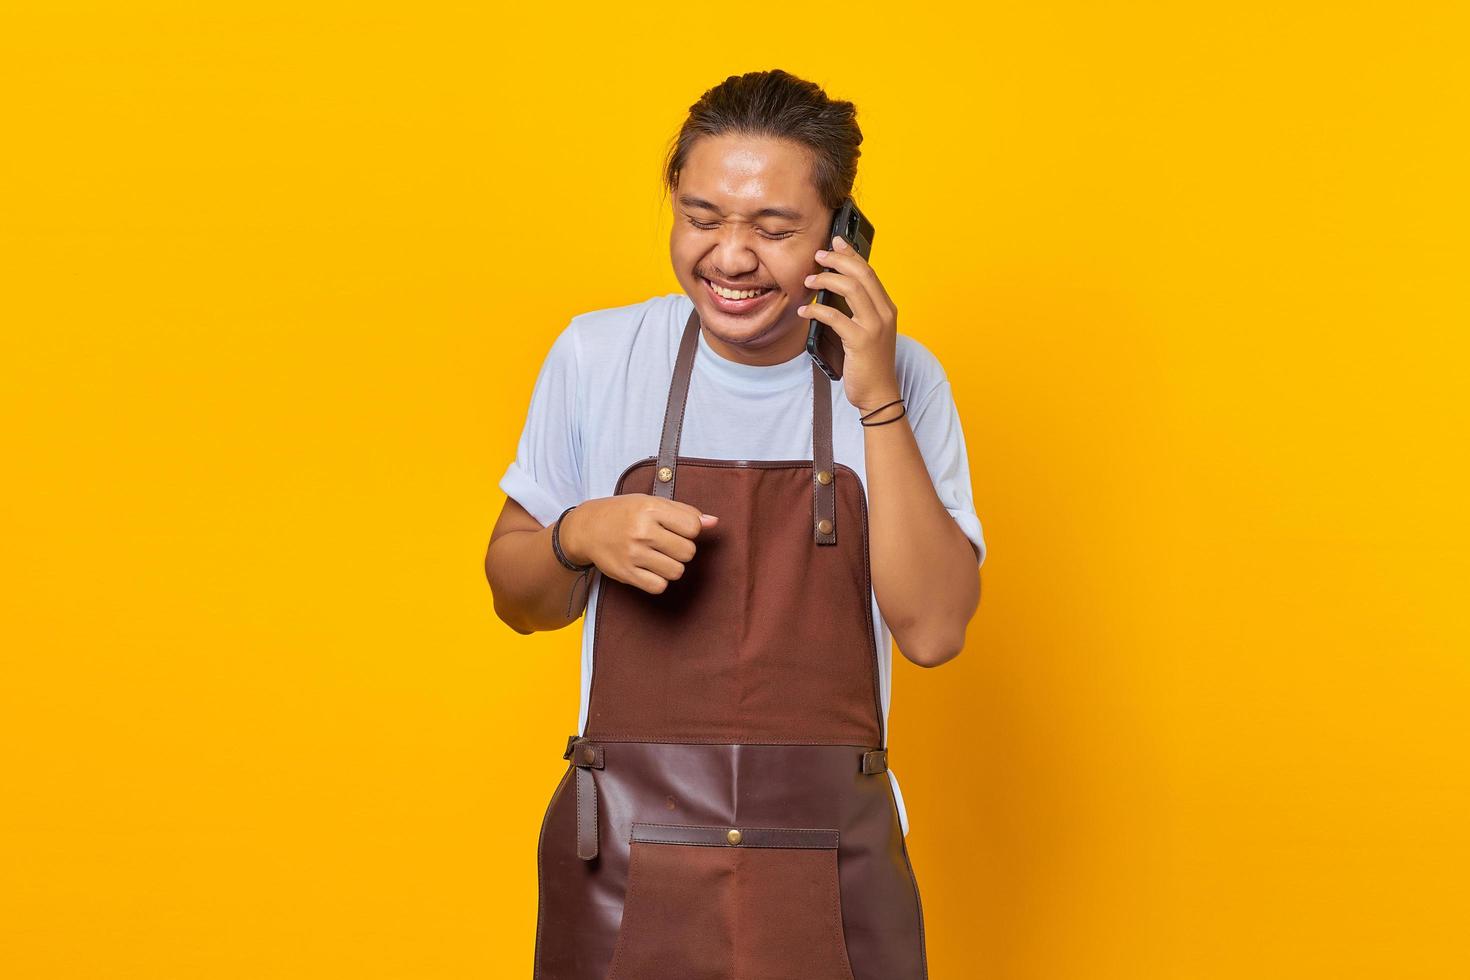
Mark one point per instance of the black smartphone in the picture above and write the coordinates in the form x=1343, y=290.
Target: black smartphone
x=822, y=342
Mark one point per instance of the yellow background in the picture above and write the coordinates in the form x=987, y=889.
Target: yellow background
x=276, y=283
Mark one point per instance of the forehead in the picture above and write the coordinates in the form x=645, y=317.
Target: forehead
x=742, y=174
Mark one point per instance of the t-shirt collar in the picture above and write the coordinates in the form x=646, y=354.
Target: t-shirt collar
x=752, y=377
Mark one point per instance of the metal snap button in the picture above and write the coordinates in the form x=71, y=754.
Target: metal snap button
x=733, y=837
x=589, y=754
x=665, y=474
x=824, y=477
x=825, y=526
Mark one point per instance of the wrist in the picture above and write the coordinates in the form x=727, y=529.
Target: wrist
x=872, y=404
x=886, y=419
x=569, y=538
x=881, y=410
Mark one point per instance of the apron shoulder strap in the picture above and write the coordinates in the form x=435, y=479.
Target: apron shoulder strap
x=824, y=489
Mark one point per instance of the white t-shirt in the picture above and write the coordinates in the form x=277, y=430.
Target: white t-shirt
x=598, y=405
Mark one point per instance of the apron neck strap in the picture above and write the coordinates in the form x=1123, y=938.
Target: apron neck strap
x=824, y=488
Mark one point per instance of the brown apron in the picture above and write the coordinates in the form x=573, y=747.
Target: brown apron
x=727, y=814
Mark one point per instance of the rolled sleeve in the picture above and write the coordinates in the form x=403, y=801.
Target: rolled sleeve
x=546, y=476
x=941, y=439
x=539, y=502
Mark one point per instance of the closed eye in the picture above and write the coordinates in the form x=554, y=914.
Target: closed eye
x=707, y=226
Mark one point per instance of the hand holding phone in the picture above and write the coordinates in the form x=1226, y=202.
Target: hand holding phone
x=822, y=342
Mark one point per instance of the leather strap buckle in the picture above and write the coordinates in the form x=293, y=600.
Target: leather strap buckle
x=875, y=761
x=585, y=756
x=583, y=753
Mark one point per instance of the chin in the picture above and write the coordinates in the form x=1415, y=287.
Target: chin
x=751, y=334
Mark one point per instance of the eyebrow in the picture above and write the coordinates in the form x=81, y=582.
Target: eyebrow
x=791, y=214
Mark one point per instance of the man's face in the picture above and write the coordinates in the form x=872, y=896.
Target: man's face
x=720, y=233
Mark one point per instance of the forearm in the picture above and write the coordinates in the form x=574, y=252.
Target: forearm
x=532, y=590
x=925, y=575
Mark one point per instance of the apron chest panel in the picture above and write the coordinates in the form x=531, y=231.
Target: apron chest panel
x=756, y=642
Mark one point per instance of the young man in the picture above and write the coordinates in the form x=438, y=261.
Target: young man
x=745, y=536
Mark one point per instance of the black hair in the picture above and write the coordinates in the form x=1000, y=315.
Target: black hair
x=779, y=105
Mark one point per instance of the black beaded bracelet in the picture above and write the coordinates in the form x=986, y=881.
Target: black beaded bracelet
x=900, y=415
x=556, y=545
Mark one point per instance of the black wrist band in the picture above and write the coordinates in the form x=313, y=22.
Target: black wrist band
x=879, y=409
x=900, y=415
x=556, y=545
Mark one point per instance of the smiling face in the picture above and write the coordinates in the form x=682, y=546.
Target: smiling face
x=747, y=216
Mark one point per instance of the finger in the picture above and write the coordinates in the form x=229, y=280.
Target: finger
x=676, y=546
x=850, y=289
x=658, y=563
x=850, y=332
x=679, y=517
x=844, y=258
x=643, y=579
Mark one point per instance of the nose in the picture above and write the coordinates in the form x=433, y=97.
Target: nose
x=731, y=255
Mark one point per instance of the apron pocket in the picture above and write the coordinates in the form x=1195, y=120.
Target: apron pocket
x=712, y=903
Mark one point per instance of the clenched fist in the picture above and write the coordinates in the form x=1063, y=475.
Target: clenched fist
x=637, y=538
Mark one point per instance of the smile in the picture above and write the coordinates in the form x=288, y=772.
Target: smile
x=737, y=300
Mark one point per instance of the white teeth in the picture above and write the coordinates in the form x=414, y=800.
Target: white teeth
x=736, y=293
